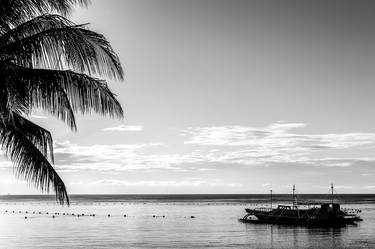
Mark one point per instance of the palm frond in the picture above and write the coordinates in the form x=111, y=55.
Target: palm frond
x=77, y=48
x=14, y=95
x=40, y=137
x=14, y=12
x=85, y=93
x=29, y=162
x=34, y=26
x=23, y=90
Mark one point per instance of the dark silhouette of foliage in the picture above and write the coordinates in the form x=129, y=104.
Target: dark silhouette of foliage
x=48, y=62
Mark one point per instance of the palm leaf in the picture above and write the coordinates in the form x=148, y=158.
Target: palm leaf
x=23, y=90
x=30, y=164
x=15, y=12
x=64, y=92
x=40, y=137
x=73, y=46
x=34, y=26
x=85, y=93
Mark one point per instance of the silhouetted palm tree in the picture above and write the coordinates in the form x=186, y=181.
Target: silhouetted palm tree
x=48, y=62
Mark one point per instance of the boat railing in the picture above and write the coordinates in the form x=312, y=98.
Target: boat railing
x=263, y=209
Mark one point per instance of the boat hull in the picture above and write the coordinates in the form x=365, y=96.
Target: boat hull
x=309, y=217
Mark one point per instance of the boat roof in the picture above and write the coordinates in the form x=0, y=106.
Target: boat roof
x=315, y=203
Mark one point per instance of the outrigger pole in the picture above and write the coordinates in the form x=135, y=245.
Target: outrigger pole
x=271, y=198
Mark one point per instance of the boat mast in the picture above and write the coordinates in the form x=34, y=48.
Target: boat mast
x=271, y=198
x=294, y=195
x=332, y=193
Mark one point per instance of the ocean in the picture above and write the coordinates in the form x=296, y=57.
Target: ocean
x=169, y=221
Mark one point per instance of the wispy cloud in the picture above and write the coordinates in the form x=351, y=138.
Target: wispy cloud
x=124, y=128
x=275, y=143
x=272, y=144
x=118, y=157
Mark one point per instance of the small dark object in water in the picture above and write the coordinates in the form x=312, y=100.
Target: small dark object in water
x=6, y=211
x=192, y=216
x=83, y=214
x=78, y=215
x=124, y=215
x=19, y=212
x=109, y=215
x=26, y=212
x=53, y=216
x=93, y=215
x=25, y=217
x=47, y=213
x=163, y=216
x=12, y=211
x=153, y=216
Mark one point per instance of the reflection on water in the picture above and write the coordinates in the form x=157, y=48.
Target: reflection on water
x=216, y=225
x=284, y=236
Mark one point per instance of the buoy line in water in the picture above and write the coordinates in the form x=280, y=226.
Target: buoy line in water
x=54, y=215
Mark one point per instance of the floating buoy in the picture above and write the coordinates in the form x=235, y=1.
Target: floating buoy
x=192, y=216
x=53, y=216
x=153, y=216
x=25, y=217
x=109, y=215
x=124, y=215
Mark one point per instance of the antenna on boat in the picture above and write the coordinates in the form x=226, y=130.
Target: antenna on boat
x=271, y=198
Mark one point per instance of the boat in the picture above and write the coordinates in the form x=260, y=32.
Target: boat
x=303, y=213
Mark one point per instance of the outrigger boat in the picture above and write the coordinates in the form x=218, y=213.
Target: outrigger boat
x=316, y=214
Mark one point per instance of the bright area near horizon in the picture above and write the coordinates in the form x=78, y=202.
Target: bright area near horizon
x=227, y=97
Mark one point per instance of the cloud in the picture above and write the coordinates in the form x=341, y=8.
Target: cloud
x=275, y=143
x=124, y=128
x=118, y=157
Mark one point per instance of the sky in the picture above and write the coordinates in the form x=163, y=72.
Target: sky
x=226, y=97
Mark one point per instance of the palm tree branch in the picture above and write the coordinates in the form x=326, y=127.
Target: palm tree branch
x=34, y=26
x=39, y=136
x=85, y=93
x=14, y=12
x=24, y=90
x=80, y=49
x=30, y=164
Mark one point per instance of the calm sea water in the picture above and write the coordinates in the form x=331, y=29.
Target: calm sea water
x=215, y=224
